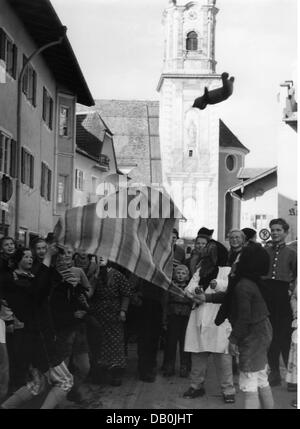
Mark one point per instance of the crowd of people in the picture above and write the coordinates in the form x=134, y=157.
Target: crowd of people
x=67, y=317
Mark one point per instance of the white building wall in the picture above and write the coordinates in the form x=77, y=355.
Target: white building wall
x=287, y=169
x=264, y=205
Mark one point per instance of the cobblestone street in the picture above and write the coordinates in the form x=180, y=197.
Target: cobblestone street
x=165, y=393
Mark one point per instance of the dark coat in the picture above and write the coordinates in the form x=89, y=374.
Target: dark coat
x=28, y=298
x=251, y=328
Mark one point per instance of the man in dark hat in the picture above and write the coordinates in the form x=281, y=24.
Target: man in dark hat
x=206, y=231
x=250, y=234
x=216, y=250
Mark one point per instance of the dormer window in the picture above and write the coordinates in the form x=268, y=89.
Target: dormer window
x=192, y=41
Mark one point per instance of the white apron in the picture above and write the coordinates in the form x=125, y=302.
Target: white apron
x=202, y=335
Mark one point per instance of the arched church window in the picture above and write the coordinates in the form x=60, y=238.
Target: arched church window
x=192, y=41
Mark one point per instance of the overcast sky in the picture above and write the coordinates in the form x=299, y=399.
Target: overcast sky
x=119, y=46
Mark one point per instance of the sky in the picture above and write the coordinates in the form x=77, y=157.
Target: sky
x=119, y=46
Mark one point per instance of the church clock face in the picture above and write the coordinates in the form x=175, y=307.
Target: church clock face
x=193, y=15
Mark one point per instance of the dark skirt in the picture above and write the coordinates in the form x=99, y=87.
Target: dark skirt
x=254, y=347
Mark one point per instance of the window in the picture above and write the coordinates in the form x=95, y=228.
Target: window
x=47, y=108
x=27, y=168
x=8, y=155
x=94, y=185
x=64, y=121
x=8, y=53
x=228, y=214
x=192, y=41
x=22, y=236
x=261, y=221
x=62, y=189
x=46, y=178
x=191, y=153
x=79, y=180
x=29, y=83
x=230, y=162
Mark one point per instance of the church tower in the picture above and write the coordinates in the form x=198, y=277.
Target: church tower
x=189, y=138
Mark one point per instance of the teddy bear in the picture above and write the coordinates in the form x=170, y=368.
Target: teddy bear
x=216, y=95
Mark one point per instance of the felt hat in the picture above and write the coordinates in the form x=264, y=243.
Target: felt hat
x=249, y=233
x=205, y=231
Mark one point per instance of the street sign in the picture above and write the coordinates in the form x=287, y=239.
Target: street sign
x=264, y=234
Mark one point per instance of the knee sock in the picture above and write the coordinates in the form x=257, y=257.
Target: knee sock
x=251, y=400
x=18, y=398
x=54, y=398
x=266, y=397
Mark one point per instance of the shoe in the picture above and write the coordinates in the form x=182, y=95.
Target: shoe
x=274, y=379
x=148, y=378
x=229, y=399
x=292, y=387
x=294, y=403
x=194, y=393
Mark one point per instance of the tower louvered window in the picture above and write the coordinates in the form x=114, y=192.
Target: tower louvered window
x=192, y=41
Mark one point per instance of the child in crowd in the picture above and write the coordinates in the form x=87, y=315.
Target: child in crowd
x=177, y=310
x=203, y=337
x=251, y=333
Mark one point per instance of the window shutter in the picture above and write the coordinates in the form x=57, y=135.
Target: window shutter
x=15, y=61
x=82, y=186
x=49, y=185
x=44, y=104
x=2, y=44
x=31, y=171
x=13, y=158
x=76, y=172
x=34, y=88
x=50, y=112
x=23, y=166
x=25, y=77
x=43, y=180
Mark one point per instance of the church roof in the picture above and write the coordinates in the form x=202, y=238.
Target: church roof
x=90, y=132
x=249, y=173
x=240, y=187
x=228, y=139
x=135, y=126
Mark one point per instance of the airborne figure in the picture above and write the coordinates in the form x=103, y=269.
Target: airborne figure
x=216, y=95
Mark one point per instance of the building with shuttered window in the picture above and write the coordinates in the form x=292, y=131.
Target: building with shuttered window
x=51, y=86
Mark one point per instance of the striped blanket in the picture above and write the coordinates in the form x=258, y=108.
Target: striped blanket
x=141, y=244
